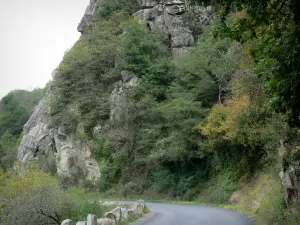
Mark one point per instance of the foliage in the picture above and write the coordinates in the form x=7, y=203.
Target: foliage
x=163, y=181
x=219, y=188
x=30, y=199
x=234, y=122
x=76, y=204
x=37, y=198
x=141, y=48
x=109, y=7
x=274, y=26
x=15, y=109
x=162, y=152
x=8, y=150
x=159, y=146
x=87, y=70
x=209, y=67
x=13, y=115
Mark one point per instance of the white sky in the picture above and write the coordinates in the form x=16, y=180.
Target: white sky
x=33, y=38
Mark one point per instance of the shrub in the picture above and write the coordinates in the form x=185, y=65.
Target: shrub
x=37, y=199
x=30, y=199
x=76, y=204
x=131, y=189
x=220, y=188
x=162, y=181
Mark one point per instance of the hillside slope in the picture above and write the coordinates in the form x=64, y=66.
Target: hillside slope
x=176, y=100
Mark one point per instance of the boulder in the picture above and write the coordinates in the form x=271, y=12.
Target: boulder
x=105, y=221
x=136, y=208
x=115, y=215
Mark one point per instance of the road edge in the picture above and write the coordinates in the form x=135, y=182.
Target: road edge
x=144, y=219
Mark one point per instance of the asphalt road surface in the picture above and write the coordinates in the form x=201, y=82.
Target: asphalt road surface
x=171, y=214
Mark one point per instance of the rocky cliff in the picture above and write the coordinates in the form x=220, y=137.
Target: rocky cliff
x=74, y=156
x=166, y=19
x=42, y=141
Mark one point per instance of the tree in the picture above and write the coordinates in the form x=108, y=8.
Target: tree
x=274, y=26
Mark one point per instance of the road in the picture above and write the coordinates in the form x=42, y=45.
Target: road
x=171, y=214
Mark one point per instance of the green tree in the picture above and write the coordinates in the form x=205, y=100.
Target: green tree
x=275, y=28
x=13, y=115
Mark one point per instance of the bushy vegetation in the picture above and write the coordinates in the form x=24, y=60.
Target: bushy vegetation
x=38, y=198
x=15, y=110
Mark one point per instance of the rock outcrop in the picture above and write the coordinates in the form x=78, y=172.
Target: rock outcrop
x=165, y=18
x=87, y=19
x=290, y=174
x=41, y=141
x=291, y=186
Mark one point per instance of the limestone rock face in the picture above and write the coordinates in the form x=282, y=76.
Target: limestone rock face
x=41, y=141
x=165, y=18
x=87, y=18
x=118, y=98
x=118, y=126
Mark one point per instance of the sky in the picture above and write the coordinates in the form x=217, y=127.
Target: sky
x=34, y=36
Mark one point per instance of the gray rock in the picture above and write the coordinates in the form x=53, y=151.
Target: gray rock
x=165, y=19
x=81, y=223
x=147, y=3
x=143, y=14
x=68, y=222
x=291, y=186
x=119, y=101
x=127, y=76
x=105, y=221
x=87, y=18
x=136, y=208
x=124, y=211
x=175, y=7
x=91, y=220
x=42, y=141
x=115, y=215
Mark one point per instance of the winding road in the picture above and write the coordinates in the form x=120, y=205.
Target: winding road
x=172, y=214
